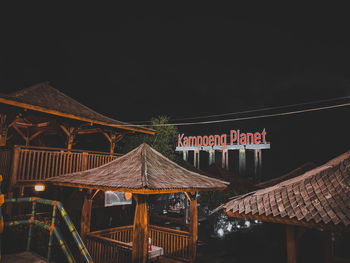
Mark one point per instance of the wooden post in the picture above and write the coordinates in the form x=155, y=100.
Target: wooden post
x=193, y=226
x=85, y=220
x=113, y=142
x=85, y=161
x=3, y=130
x=328, y=242
x=70, y=132
x=291, y=244
x=140, y=230
x=70, y=142
x=14, y=167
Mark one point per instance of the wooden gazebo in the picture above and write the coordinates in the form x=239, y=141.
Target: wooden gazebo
x=142, y=172
x=38, y=128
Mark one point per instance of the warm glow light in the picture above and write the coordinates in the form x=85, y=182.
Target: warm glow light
x=127, y=196
x=39, y=187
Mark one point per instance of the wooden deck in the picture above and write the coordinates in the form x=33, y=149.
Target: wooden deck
x=23, y=257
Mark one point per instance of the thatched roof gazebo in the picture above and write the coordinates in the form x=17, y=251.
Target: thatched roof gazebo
x=143, y=171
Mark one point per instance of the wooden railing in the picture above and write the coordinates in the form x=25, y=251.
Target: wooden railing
x=123, y=233
x=174, y=242
x=107, y=250
x=34, y=164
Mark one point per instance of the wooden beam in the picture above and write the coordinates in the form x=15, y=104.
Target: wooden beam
x=94, y=194
x=289, y=221
x=107, y=136
x=291, y=242
x=88, y=130
x=71, y=132
x=65, y=130
x=193, y=227
x=135, y=190
x=36, y=134
x=140, y=231
x=72, y=116
x=14, y=167
x=22, y=134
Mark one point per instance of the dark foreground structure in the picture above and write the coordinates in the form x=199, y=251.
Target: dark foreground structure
x=318, y=199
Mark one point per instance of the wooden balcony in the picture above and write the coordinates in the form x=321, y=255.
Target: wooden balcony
x=28, y=165
x=110, y=245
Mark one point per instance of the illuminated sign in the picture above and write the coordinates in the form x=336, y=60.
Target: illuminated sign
x=235, y=138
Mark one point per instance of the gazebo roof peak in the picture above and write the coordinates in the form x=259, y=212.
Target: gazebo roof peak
x=142, y=170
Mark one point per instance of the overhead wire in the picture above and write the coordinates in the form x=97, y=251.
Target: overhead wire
x=251, y=111
x=242, y=118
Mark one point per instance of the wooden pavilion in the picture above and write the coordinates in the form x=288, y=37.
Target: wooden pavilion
x=142, y=172
x=318, y=199
x=38, y=128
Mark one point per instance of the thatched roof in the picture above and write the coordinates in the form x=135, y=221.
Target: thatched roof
x=143, y=170
x=319, y=196
x=44, y=98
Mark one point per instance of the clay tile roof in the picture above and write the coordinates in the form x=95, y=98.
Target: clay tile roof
x=321, y=196
x=297, y=171
x=143, y=170
x=44, y=98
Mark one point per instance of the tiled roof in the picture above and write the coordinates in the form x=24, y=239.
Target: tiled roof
x=321, y=195
x=294, y=173
x=42, y=97
x=143, y=170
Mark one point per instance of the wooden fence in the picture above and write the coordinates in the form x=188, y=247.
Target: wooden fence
x=174, y=242
x=107, y=250
x=33, y=164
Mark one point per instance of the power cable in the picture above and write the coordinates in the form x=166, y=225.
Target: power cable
x=242, y=118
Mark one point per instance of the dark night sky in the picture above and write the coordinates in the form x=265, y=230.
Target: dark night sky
x=135, y=68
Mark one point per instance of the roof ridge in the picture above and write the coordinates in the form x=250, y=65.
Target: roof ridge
x=179, y=166
x=30, y=88
x=144, y=177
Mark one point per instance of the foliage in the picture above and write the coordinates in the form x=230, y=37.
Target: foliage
x=164, y=139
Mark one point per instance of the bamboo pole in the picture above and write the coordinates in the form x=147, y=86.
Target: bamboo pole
x=52, y=227
x=31, y=221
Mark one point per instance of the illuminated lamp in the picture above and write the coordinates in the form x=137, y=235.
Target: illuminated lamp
x=39, y=187
x=127, y=195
